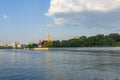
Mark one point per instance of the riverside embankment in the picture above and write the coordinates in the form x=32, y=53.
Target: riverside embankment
x=79, y=49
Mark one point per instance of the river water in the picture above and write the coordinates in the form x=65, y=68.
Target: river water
x=59, y=65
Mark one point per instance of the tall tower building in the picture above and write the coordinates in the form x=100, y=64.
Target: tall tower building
x=48, y=38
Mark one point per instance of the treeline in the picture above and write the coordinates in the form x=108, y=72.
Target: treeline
x=99, y=40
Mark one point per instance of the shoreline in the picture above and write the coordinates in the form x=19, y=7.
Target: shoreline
x=78, y=49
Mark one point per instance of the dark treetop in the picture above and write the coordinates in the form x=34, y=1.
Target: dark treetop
x=99, y=40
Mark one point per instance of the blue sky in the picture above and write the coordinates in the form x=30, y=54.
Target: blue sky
x=30, y=20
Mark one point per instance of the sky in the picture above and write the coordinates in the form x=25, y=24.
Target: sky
x=31, y=20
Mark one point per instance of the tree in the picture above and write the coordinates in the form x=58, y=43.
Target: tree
x=99, y=40
x=32, y=45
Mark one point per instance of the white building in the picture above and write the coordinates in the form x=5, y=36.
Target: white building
x=16, y=45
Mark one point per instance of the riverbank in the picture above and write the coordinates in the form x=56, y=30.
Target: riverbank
x=55, y=49
x=78, y=49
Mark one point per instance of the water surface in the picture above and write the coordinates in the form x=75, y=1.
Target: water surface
x=59, y=65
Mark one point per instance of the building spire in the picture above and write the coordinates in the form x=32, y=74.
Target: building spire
x=48, y=38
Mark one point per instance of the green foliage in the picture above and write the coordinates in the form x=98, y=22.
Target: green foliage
x=48, y=44
x=99, y=40
x=32, y=46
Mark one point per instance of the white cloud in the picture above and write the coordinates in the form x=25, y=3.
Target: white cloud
x=50, y=25
x=59, y=21
x=66, y=6
x=98, y=14
x=6, y=17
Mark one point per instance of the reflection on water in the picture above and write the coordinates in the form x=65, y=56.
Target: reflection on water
x=59, y=65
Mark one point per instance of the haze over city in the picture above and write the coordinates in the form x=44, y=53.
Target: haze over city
x=31, y=20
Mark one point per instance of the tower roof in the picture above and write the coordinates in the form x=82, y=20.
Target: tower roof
x=48, y=38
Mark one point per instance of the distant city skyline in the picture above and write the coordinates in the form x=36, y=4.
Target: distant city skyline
x=30, y=20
